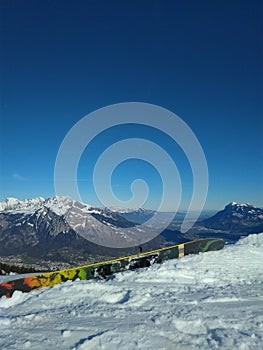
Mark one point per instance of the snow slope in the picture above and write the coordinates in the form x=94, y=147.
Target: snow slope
x=207, y=301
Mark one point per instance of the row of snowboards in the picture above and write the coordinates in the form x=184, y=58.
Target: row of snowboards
x=107, y=268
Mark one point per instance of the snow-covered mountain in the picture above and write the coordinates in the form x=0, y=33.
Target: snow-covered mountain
x=237, y=218
x=38, y=222
x=138, y=215
x=27, y=205
x=45, y=227
x=208, y=301
x=142, y=215
x=60, y=205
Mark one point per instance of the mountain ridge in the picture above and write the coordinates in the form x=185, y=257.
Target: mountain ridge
x=51, y=229
x=235, y=217
x=60, y=228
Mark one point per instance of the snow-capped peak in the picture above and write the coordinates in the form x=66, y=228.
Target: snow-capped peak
x=58, y=204
x=123, y=210
x=243, y=211
x=11, y=204
x=235, y=205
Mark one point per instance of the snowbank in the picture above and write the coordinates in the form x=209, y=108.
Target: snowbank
x=207, y=301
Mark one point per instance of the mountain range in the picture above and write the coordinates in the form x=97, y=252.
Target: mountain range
x=237, y=218
x=67, y=230
x=62, y=229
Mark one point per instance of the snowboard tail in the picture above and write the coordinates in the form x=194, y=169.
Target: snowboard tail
x=106, y=268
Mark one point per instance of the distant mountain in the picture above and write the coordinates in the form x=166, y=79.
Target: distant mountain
x=236, y=218
x=138, y=216
x=141, y=215
x=64, y=229
x=37, y=221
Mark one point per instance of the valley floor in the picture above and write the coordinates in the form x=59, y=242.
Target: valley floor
x=207, y=301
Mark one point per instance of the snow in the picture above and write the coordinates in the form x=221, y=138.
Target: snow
x=58, y=204
x=120, y=209
x=240, y=204
x=94, y=211
x=207, y=301
x=26, y=205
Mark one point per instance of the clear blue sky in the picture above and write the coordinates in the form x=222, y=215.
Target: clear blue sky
x=61, y=60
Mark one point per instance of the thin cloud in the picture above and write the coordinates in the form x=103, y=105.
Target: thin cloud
x=19, y=177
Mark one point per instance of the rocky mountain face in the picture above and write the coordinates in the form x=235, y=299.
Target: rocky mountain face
x=62, y=228
x=21, y=232
x=237, y=218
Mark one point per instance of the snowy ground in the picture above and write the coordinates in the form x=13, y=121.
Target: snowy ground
x=207, y=301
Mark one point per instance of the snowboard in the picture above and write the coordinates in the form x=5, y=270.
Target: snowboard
x=106, y=268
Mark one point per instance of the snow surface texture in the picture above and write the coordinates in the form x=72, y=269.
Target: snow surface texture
x=206, y=301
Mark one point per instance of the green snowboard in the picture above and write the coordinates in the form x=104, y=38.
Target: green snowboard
x=106, y=268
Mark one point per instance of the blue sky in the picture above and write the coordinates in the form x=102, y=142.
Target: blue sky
x=61, y=60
